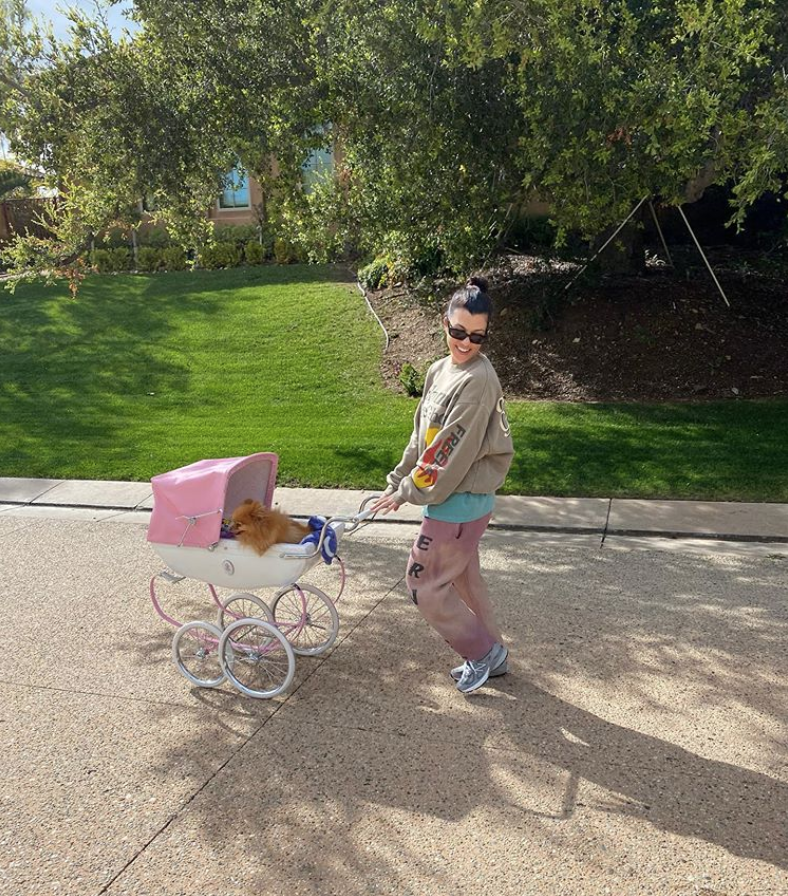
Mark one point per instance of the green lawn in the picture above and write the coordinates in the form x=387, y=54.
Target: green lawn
x=145, y=373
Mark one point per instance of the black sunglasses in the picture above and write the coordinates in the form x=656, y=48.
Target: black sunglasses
x=460, y=335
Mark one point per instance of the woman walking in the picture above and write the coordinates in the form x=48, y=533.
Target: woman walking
x=457, y=457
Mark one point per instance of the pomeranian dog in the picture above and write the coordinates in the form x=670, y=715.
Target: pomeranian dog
x=260, y=527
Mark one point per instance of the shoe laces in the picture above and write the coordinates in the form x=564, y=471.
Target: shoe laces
x=473, y=666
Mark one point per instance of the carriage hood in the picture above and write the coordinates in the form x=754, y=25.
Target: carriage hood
x=190, y=502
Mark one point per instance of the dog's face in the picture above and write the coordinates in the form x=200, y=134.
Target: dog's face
x=248, y=516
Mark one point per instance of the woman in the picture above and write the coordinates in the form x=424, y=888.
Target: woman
x=457, y=457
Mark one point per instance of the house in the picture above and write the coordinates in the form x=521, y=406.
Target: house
x=242, y=198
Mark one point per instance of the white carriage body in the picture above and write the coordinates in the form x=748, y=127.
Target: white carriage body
x=185, y=528
x=233, y=565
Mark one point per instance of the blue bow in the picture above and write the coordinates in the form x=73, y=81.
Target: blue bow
x=329, y=549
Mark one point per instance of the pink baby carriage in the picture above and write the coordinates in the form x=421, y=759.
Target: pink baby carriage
x=252, y=644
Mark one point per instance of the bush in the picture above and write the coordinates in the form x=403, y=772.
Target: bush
x=111, y=261
x=207, y=258
x=310, y=223
x=254, y=252
x=114, y=238
x=157, y=238
x=174, y=259
x=120, y=260
x=532, y=232
x=237, y=234
x=149, y=259
x=229, y=254
x=412, y=380
x=284, y=253
x=375, y=274
x=220, y=255
x=100, y=259
x=407, y=256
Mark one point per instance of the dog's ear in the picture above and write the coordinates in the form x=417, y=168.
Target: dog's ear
x=247, y=501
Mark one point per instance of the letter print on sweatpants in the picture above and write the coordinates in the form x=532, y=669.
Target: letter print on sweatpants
x=452, y=596
x=423, y=544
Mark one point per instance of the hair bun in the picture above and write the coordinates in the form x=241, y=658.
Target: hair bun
x=478, y=282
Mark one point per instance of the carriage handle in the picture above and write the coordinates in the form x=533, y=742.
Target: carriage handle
x=354, y=521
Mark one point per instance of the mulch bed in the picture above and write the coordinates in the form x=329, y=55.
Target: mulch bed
x=660, y=336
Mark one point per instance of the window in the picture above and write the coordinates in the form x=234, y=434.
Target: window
x=318, y=166
x=236, y=190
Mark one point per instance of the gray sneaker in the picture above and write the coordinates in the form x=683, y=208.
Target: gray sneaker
x=476, y=672
x=498, y=666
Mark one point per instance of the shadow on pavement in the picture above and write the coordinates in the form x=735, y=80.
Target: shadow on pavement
x=377, y=762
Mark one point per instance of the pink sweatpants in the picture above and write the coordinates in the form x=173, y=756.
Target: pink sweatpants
x=445, y=583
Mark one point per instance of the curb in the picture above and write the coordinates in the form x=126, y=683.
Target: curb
x=603, y=533
x=722, y=521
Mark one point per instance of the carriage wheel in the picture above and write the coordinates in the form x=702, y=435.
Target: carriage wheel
x=195, y=649
x=243, y=605
x=256, y=658
x=308, y=617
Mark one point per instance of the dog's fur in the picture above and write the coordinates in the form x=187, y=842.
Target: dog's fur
x=260, y=527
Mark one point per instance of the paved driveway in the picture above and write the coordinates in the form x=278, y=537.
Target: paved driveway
x=640, y=745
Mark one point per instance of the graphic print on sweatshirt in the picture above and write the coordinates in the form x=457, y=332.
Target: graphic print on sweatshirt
x=434, y=409
x=436, y=455
x=503, y=420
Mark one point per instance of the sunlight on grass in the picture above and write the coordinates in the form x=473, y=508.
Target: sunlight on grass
x=141, y=374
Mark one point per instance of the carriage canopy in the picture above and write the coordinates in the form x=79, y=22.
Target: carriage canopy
x=190, y=502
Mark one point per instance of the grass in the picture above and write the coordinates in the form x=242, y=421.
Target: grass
x=141, y=374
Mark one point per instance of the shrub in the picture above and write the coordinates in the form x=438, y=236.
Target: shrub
x=100, y=259
x=237, y=234
x=230, y=255
x=111, y=261
x=208, y=258
x=532, y=232
x=220, y=255
x=149, y=259
x=284, y=253
x=157, y=238
x=412, y=380
x=254, y=252
x=310, y=222
x=174, y=259
x=120, y=259
x=375, y=274
x=114, y=238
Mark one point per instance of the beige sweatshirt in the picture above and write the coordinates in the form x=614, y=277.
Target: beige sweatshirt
x=461, y=440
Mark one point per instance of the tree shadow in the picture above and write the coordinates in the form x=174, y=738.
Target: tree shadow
x=334, y=785
x=84, y=374
x=78, y=369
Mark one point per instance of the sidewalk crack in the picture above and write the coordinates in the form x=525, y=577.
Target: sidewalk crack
x=243, y=745
x=607, y=522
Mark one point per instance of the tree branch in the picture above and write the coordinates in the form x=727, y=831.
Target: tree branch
x=14, y=85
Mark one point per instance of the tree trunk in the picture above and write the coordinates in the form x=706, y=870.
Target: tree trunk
x=626, y=254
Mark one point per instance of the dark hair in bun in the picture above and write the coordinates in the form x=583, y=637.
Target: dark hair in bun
x=473, y=298
x=481, y=282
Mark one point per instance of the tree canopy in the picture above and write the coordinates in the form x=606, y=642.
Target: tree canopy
x=448, y=114
x=621, y=99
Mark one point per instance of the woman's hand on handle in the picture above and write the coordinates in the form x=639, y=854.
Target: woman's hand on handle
x=385, y=504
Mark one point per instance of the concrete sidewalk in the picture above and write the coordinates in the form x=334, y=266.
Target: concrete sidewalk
x=639, y=746
x=599, y=516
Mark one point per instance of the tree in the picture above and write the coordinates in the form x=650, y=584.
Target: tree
x=448, y=113
x=620, y=99
x=157, y=113
x=429, y=146
x=13, y=182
